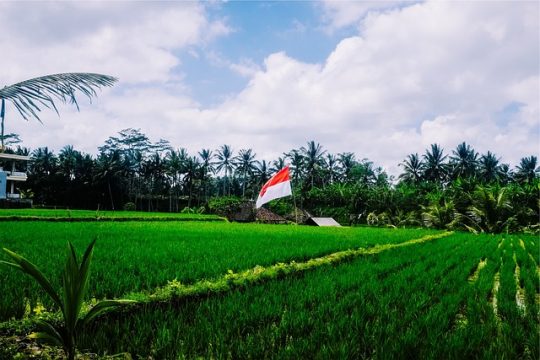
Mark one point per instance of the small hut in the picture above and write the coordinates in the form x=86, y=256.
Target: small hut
x=266, y=216
x=322, y=221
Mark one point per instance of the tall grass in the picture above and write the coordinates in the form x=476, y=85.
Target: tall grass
x=400, y=303
x=140, y=256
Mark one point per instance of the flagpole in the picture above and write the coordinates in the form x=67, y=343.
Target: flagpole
x=294, y=202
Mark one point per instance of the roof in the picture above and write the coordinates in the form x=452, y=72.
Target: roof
x=265, y=215
x=322, y=221
x=14, y=157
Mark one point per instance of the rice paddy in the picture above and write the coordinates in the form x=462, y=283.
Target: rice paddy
x=226, y=290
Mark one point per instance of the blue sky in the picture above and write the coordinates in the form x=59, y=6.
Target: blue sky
x=382, y=79
x=257, y=29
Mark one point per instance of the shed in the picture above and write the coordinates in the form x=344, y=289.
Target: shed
x=322, y=221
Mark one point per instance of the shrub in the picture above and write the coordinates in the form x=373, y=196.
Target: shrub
x=129, y=206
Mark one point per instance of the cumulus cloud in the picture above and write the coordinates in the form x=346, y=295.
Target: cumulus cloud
x=428, y=72
x=134, y=41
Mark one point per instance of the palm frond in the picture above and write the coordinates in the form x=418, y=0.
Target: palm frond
x=30, y=96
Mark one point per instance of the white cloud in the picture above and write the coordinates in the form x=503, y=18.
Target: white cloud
x=133, y=41
x=341, y=13
x=430, y=72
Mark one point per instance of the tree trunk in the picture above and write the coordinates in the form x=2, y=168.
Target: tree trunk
x=110, y=193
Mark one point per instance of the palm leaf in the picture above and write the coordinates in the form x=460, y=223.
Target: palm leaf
x=102, y=307
x=48, y=333
x=30, y=96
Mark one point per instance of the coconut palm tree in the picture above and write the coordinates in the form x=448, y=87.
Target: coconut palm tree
x=67, y=159
x=464, y=161
x=192, y=170
x=30, y=96
x=489, y=168
x=263, y=172
x=175, y=163
x=225, y=162
x=207, y=168
x=527, y=169
x=109, y=171
x=412, y=169
x=297, y=164
x=245, y=164
x=10, y=139
x=491, y=210
x=435, y=169
x=278, y=164
x=313, y=159
x=331, y=168
x=44, y=162
x=347, y=162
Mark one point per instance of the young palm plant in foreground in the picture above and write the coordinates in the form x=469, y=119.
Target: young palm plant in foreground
x=70, y=301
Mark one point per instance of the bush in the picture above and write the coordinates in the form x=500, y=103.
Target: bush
x=129, y=206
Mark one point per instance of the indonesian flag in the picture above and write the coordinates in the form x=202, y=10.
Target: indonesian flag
x=277, y=187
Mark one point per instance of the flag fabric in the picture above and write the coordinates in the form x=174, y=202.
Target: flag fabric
x=277, y=187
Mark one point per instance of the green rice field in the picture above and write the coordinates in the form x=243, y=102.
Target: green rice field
x=100, y=215
x=320, y=293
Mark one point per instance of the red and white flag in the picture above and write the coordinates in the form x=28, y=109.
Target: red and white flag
x=277, y=187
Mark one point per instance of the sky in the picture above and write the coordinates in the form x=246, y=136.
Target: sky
x=382, y=79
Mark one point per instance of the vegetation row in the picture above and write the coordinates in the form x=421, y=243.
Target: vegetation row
x=461, y=189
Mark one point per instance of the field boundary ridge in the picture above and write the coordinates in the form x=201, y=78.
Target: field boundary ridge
x=111, y=219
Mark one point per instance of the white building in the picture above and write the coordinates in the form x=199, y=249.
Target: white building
x=11, y=171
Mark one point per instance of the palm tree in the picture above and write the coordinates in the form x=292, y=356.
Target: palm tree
x=263, y=172
x=225, y=163
x=109, y=170
x=10, y=139
x=207, y=168
x=297, y=163
x=464, y=161
x=347, y=163
x=44, y=162
x=489, y=168
x=491, y=210
x=434, y=167
x=527, y=169
x=278, y=164
x=313, y=155
x=412, y=169
x=67, y=159
x=175, y=163
x=331, y=168
x=30, y=96
x=192, y=169
x=246, y=164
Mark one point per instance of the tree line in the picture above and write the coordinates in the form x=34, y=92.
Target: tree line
x=459, y=190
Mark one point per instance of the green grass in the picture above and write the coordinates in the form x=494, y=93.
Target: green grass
x=401, y=303
x=88, y=215
x=140, y=256
x=414, y=301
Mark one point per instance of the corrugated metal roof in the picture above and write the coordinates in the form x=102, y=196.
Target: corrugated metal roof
x=323, y=221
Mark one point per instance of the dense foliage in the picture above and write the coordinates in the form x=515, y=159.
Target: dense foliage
x=459, y=190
